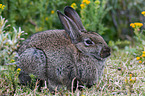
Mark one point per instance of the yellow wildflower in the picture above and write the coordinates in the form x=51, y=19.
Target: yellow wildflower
x=130, y=80
x=138, y=24
x=139, y=61
x=84, y=1
x=88, y=2
x=143, y=52
x=82, y=6
x=73, y=5
x=82, y=95
x=130, y=75
x=46, y=18
x=143, y=55
x=143, y=13
x=132, y=25
x=3, y=7
x=18, y=70
x=137, y=58
x=126, y=80
x=0, y=5
x=52, y=12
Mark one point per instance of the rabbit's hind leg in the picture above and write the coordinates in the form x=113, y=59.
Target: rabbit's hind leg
x=32, y=61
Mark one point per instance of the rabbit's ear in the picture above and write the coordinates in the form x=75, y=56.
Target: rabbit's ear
x=71, y=13
x=70, y=27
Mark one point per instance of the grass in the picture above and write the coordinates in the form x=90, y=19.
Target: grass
x=123, y=76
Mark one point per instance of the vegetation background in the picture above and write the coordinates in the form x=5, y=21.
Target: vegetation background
x=123, y=74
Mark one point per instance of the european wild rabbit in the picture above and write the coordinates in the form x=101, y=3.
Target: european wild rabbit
x=59, y=56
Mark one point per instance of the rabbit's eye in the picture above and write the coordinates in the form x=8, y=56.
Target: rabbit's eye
x=88, y=42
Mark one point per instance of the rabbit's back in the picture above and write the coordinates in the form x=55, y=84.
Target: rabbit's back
x=50, y=39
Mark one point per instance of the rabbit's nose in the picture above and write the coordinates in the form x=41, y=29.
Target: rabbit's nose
x=105, y=52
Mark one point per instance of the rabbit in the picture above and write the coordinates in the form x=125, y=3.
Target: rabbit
x=58, y=56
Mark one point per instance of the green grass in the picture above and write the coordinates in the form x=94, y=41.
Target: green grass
x=116, y=79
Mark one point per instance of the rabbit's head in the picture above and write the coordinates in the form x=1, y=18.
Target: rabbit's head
x=88, y=43
x=93, y=45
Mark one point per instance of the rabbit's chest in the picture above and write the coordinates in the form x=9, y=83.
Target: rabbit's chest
x=90, y=70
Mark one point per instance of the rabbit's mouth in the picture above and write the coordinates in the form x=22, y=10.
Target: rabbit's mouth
x=104, y=53
x=97, y=57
